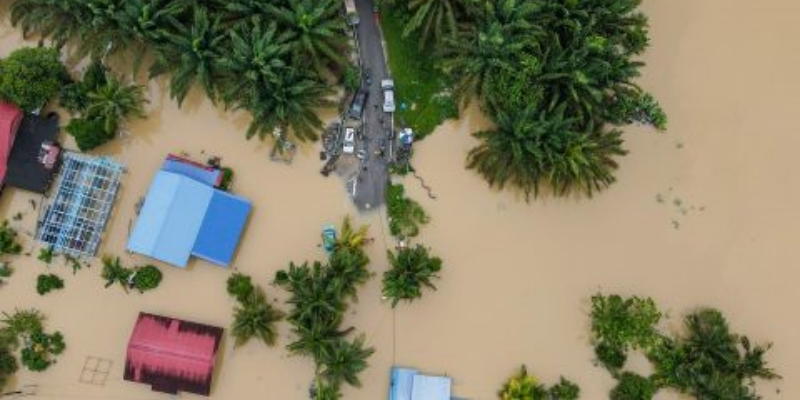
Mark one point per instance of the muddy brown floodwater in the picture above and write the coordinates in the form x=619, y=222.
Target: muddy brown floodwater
x=705, y=214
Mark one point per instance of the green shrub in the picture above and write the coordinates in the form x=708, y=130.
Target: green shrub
x=625, y=322
x=47, y=283
x=8, y=366
x=352, y=78
x=565, y=390
x=31, y=76
x=22, y=322
x=240, y=286
x=89, y=133
x=146, y=278
x=41, y=349
x=633, y=387
x=8, y=240
x=612, y=357
x=227, y=178
x=46, y=254
x=523, y=387
x=405, y=215
x=5, y=271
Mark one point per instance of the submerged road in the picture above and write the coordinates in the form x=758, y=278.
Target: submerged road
x=373, y=175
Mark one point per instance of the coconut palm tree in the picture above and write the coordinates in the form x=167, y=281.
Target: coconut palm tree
x=237, y=14
x=343, y=361
x=317, y=32
x=536, y=147
x=287, y=105
x=412, y=268
x=115, y=102
x=348, y=266
x=313, y=340
x=432, y=20
x=190, y=55
x=113, y=272
x=255, y=318
x=493, y=45
x=349, y=237
x=256, y=58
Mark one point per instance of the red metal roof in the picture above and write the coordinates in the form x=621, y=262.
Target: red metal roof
x=10, y=117
x=172, y=355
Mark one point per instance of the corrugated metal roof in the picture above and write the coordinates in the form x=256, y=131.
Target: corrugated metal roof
x=222, y=228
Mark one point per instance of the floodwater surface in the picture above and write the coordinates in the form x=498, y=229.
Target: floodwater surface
x=704, y=214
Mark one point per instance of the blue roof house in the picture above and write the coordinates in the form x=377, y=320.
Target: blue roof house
x=184, y=216
x=410, y=384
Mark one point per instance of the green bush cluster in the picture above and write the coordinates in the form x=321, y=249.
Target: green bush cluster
x=31, y=76
x=412, y=269
x=707, y=362
x=240, y=286
x=227, y=178
x=143, y=278
x=522, y=386
x=25, y=329
x=405, y=215
x=319, y=297
x=45, y=283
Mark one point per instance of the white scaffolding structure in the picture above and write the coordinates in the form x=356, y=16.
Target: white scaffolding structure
x=76, y=216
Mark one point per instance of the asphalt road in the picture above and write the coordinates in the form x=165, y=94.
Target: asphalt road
x=373, y=175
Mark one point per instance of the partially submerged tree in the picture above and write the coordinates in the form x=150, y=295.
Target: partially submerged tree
x=412, y=269
x=31, y=76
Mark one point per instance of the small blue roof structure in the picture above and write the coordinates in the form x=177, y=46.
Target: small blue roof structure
x=410, y=384
x=209, y=176
x=183, y=217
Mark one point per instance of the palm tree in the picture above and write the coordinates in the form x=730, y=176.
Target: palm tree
x=190, y=55
x=58, y=20
x=493, y=45
x=312, y=341
x=256, y=58
x=349, y=267
x=433, y=20
x=343, y=361
x=316, y=297
x=113, y=272
x=533, y=147
x=237, y=14
x=287, y=103
x=148, y=23
x=349, y=237
x=115, y=102
x=412, y=268
x=255, y=318
x=317, y=30
x=8, y=240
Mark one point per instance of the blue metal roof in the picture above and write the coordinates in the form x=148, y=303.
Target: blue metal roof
x=222, y=227
x=409, y=384
x=170, y=219
x=183, y=217
x=204, y=175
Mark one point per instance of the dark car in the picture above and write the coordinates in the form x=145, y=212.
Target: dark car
x=357, y=106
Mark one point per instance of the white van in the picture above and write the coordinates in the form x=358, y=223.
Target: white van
x=388, y=95
x=349, y=145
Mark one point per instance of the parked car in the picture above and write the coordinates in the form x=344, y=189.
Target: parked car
x=388, y=95
x=357, y=106
x=349, y=145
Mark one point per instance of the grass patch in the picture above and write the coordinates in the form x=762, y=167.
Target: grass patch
x=417, y=82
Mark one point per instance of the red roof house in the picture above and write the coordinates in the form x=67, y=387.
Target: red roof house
x=172, y=355
x=10, y=118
